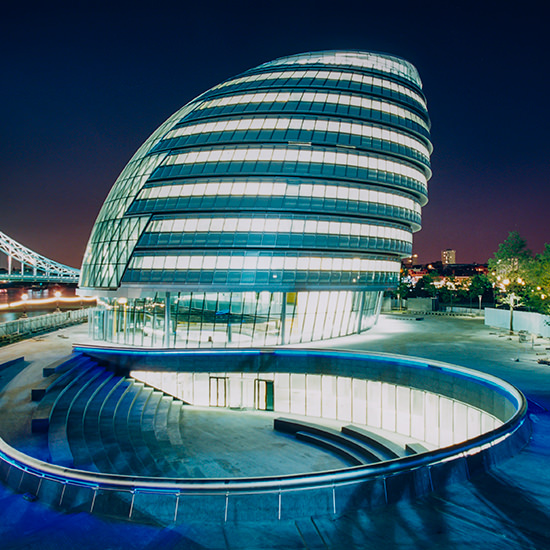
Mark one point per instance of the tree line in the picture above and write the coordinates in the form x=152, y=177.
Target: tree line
x=516, y=278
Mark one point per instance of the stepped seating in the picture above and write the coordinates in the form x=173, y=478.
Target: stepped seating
x=99, y=421
x=354, y=444
x=113, y=458
x=78, y=430
x=96, y=420
x=58, y=442
x=126, y=424
x=48, y=390
x=415, y=448
x=144, y=402
x=340, y=447
x=388, y=448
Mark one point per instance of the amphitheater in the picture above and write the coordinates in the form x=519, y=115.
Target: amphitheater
x=107, y=442
x=118, y=445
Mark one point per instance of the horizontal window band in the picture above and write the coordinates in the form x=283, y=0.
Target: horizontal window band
x=316, y=160
x=275, y=224
x=370, y=93
x=413, y=128
x=263, y=262
x=325, y=74
x=304, y=189
x=312, y=97
x=231, y=139
x=300, y=128
x=296, y=170
x=354, y=116
x=375, y=212
x=362, y=60
x=272, y=241
x=261, y=280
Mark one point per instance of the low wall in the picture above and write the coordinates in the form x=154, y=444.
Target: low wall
x=463, y=310
x=420, y=304
x=533, y=323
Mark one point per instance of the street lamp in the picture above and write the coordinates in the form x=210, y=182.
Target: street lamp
x=57, y=296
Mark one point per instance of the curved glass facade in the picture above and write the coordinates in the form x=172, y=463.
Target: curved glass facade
x=273, y=208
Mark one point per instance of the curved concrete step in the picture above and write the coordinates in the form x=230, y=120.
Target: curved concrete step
x=121, y=451
x=91, y=423
x=340, y=442
x=388, y=448
x=144, y=407
x=156, y=437
x=77, y=432
x=73, y=368
x=58, y=443
x=124, y=392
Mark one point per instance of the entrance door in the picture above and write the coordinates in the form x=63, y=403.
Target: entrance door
x=218, y=391
x=264, y=395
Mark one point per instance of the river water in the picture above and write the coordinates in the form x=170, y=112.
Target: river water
x=10, y=295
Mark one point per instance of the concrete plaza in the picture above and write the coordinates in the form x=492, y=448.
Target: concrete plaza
x=508, y=507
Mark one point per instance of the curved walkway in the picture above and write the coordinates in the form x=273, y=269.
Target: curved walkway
x=510, y=507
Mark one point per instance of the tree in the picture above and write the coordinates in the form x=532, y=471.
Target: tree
x=508, y=270
x=480, y=285
x=425, y=288
x=537, y=278
x=511, y=258
x=404, y=288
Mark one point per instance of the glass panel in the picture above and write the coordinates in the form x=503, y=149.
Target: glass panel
x=445, y=421
x=282, y=392
x=403, y=420
x=314, y=395
x=328, y=389
x=388, y=407
x=298, y=393
x=344, y=399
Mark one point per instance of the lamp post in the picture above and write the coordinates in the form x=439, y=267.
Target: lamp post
x=24, y=297
x=57, y=296
x=512, y=298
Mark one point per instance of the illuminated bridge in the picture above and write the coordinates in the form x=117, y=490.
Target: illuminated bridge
x=25, y=265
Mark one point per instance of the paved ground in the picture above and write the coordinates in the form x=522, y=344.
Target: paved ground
x=508, y=508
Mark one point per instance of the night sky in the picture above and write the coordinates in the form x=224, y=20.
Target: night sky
x=85, y=83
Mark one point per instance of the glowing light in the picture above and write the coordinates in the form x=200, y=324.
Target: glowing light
x=45, y=301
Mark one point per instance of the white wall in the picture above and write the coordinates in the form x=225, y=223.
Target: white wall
x=534, y=323
x=420, y=304
x=428, y=417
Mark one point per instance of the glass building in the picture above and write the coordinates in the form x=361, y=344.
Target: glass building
x=274, y=208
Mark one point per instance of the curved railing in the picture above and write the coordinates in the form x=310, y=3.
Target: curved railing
x=330, y=492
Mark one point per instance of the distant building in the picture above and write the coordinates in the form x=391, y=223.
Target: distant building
x=448, y=256
x=442, y=273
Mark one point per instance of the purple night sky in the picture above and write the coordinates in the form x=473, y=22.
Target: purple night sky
x=85, y=85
